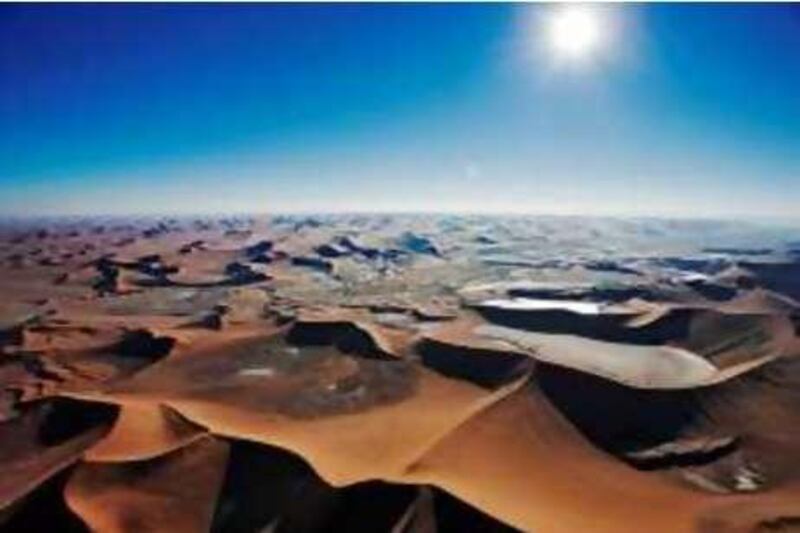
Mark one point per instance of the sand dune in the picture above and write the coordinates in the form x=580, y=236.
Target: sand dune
x=346, y=373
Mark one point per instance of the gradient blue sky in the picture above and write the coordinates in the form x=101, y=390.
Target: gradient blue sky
x=691, y=110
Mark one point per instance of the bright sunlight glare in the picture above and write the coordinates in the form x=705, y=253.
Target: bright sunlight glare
x=574, y=32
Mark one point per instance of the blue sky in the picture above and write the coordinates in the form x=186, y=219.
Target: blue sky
x=686, y=110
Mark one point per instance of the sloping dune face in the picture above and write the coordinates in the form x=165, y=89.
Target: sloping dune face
x=398, y=374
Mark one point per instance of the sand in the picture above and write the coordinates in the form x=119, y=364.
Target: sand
x=398, y=374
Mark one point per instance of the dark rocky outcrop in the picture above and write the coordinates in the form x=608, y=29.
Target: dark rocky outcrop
x=314, y=263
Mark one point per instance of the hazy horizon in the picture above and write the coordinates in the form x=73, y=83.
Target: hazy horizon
x=681, y=110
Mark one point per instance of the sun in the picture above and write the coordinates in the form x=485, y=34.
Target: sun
x=574, y=32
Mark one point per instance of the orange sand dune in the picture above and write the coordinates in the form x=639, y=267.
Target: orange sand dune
x=551, y=480
x=174, y=492
x=28, y=461
x=144, y=431
x=337, y=372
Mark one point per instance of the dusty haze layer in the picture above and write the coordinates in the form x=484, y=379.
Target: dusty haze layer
x=399, y=373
